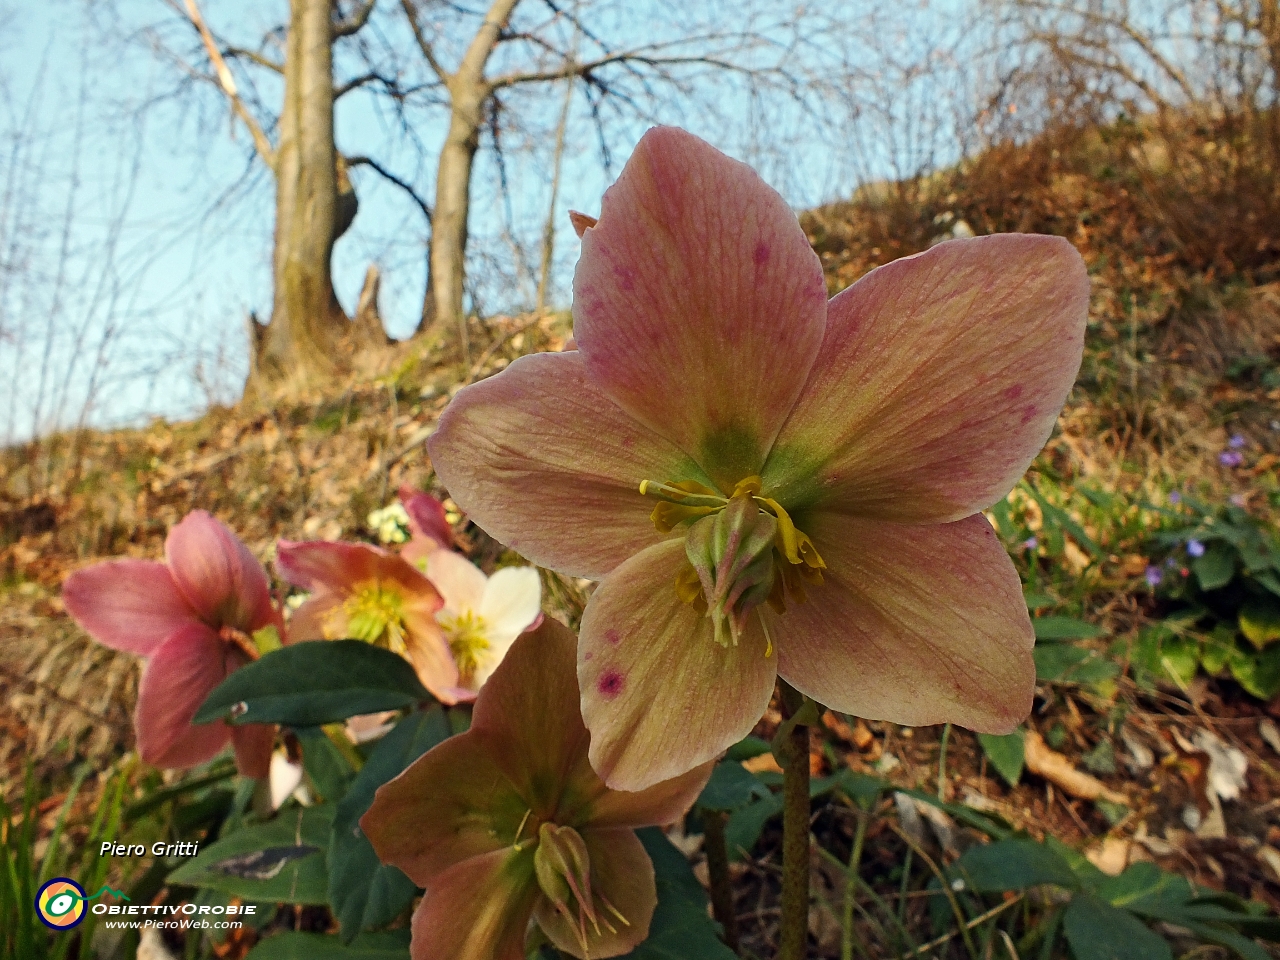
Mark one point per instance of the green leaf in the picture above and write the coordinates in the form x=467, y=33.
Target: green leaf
x=1258, y=673
x=744, y=826
x=364, y=892
x=1241, y=946
x=1037, y=600
x=392, y=945
x=731, y=787
x=1215, y=567
x=328, y=769
x=1260, y=621
x=230, y=865
x=1064, y=628
x=313, y=683
x=1014, y=864
x=680, y=929
x=1098, y=931
x=747, y=748
x=1268, y=580
x=1065, y=663
x=1007, y=754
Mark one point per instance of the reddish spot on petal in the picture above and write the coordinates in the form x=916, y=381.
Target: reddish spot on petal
x=760, y=256
x=628, y=443
x=626, y=277
x=613, y=637
x=588, y=655
x=610, y=684
x=1028, y=413
x=1014, y=392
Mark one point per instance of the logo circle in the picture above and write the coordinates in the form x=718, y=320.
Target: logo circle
x=60, y=904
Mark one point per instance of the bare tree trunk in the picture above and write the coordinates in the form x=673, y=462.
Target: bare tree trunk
x=549, y=232
x=453, y=199
x=306, y=319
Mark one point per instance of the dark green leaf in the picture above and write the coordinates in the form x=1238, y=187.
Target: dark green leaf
x=744, y=826
x=747, y=748
x=1215, y=567
x=731, y=787
x=1064, y=628
x=1014, y=864
x=1259, y=673
x=301, y=879
x=1037, y=600
x=680, y=929
x=1268, y=580
x=1098, y=931
x=392, y=945
x=1007, y=754
x=1240, y=945
x=314, y=683
x=1260, y=621
x=364, y=892
x=328, y=769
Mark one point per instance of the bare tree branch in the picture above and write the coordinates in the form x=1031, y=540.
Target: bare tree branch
x=353, y=23
x=411, y=12
x=391, y=177
x=254, y=56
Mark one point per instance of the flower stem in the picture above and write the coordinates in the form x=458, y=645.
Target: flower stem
x=713, y=822
x=942, y=764
x=793, y=756
x=847, y=933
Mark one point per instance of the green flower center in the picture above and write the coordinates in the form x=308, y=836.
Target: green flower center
x=743, y=550
x=468, y=641
x=375, y=614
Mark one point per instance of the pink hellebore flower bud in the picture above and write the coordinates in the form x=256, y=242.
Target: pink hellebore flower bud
x=361, y=592
x=508, y=822
x=192, y=617
x=429, y=528
x=712, y=371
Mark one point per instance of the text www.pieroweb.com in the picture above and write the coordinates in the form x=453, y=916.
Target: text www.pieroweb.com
x=185, y=916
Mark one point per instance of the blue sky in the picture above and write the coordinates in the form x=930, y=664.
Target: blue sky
x=135, y=228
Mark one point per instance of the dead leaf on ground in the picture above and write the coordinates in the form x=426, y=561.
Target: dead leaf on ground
x=1059, y=771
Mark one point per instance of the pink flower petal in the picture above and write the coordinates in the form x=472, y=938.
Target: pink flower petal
x=478, y=910
x=915, y=624
x=656, y=806
x=659, y=695
x=460, y=582
x=529, y=712
x=335, y=566
x=431, y=657
x=698, y=304
x=427, y=521
x=311, y=620
x=176, y=681
x=253, y=743
x=217, y=574
x=547, y=464
x=452, y=804
x=940, y=378
x=129, y=605
x=622, y=875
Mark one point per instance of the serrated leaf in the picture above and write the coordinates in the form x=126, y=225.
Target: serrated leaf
x=680, y=929
x=366, y=893
x=1215, y=567
x=1260, y=621
x=313, y=683
x=1098, y=931
x=1014, y=864
x=731, y=787
x=1007, y=754
x=291, y=945
x=301, y=879
x=1064, y=628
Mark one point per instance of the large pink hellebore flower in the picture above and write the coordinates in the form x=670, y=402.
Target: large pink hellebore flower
x=192, y=617
x=508, y=822
x=361, y=592
x=818, y=467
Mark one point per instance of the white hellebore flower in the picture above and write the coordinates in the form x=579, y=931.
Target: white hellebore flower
x=482, y=616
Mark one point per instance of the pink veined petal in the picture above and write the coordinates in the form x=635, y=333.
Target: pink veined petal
x=659, y=695
x=915, y=624
x=547, y=464
x=655, y=806
x=253, y=744
x=622, y=875
x=529, y=711
x=217, y=574
x=452, y=804
x=129, y=605
x=176, y=681
x=478, y=910
x=940, y=378
x=319, y=565
x=317, y=618
x=431, y=657
x=460, y=582
x=427, y=520
x=698, y=304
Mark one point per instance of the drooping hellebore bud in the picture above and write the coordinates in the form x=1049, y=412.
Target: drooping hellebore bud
x=732, y=553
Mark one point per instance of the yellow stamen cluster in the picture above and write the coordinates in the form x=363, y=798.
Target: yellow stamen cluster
x=373, y=613
x=796, y=561
x=468, y=641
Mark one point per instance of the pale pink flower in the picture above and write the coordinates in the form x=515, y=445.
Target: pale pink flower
x=819, y=468
x=361, y=592
x=507, y=823
x=192, y=617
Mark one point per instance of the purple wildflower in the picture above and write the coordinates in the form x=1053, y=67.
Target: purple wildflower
x=1030, y=543
x=1195, y=548
x=1237, y=441
x=1175, y=497
x=1231, y=458
x=1154, y=576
